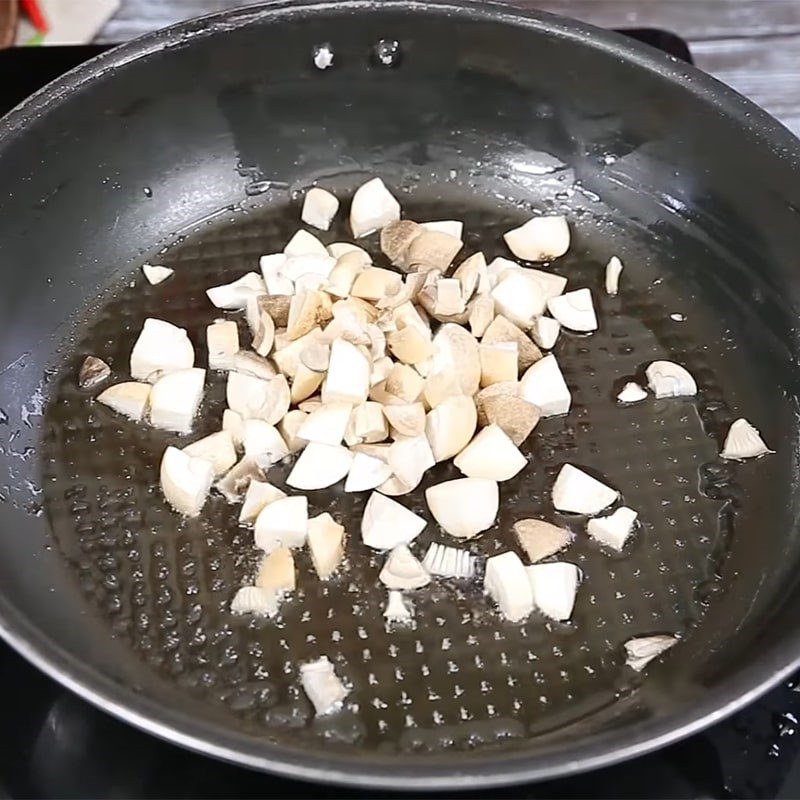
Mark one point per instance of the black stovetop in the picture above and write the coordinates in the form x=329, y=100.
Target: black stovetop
x=53, y=744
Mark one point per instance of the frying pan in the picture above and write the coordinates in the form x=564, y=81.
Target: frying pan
x=192, y=147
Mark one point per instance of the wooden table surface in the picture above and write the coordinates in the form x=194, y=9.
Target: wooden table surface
x=752, y=45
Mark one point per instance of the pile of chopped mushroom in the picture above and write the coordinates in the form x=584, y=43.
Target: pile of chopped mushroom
x=372, y=375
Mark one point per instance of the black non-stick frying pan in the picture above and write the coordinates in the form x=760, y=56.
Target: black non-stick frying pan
x=192, y=147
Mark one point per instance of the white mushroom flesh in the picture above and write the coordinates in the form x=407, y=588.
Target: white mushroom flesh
x=449, y=562
x=222, y=340
x=540, y=539
x=744, y=441
x=545, y=387
x=398, y=610
x=613, y=530
x=326, y=544
x=320, y=466
x=613, y=271
x=386, y=523
x=175, y=399
x=403, y=571
x=319, y=208
x=639, y=652
x=579, y=493
x=326, y=424
x=323, y=688
x=185, y=481
x=668, y=379
x=160, y=348
x=539, y=239
x=464, y=507
x=348, y=374
x=129, y=399
x=277, y=573
x=574, y=310
x=491, y=454
x=255, y=601
x=554, y=586
x=372, y=208
x=263, y=442
x=156, y=274
x=282, y=523
x=217, y=448
x=544, y=331
x=506, y=582
x=304, y=243
x=258, y=496
x=234, y=296
x=632, y=393
x=366, y=473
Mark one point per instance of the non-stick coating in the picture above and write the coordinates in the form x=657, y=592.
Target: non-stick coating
x=694, y=188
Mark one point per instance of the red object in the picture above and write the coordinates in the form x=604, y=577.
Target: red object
x=32, y=11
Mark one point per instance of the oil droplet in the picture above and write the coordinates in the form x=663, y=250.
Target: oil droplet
x=148, y=192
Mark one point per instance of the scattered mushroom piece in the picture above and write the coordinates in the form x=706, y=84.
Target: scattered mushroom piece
x=574, y=310
x=308, y=310
x=93, y=372
x=233, y=423
x=455, y=351
x=449, y=562
x=631, y=393
x=639, y=652
x=405, y=384
x=185, y=481
x=491, y=454
x=237, y=480
x=305, y=383
x=264, y=336
x=369, y=423
x=304, y=243
x=579, y=493
x=277, y=306
x=744, y=441
x=175, y=399
x=160, y=348
x=325, y=691
x=276, y=573
x=348, y=267
x=263, y=442
x=276, y=283
x=366, y=473
x=233, y=296
x=451, y=227
x=319, y=208
x=450, y=426
x=501, y=405
x=326, y=543
x=410, y=458
x=614, y=529
x=255, y=398
x=338, y=249
x=544, y=331
x=372, y=208
x=519, y=298
x=507, y=583
x=288, y=427
x=448, y=297
x=252, y=600
x=282, y=523
x=155, y=273
x=539, y=239
x=668, y=379
x=554, y=586
x=545, y=387
x=464, y=507
x=540, y=539
x=326, y=424
x=396, y=238
x=503, y=330
x=373, y=283
x=320, y=466
x=248, y=363
x=481, y=314
x=129, y=398
x=407, y=419
x=258, y=496
x=386, y=523
x=286, y=353
x=217, y=448
x=613, y=271
x=403, y=571
x=499, y=362
x=222, y=340
x=409, y=345
x=397, y=610
x=348, y=374
x=431, y=250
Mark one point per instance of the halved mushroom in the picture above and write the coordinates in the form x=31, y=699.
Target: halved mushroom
x=233, y=296
x=431, y=250
x=449, y=562
x=579, y=493
x=613, y=271
x=247, y=362
x=404, y=383
x=304, y=243
x=544, y=331
x=410, y=458
x=668, y=379
x=276, y=283
x=539, y=239
x=503, y=330
x=410, y=345
x=372, y=208
x=506, y=582
x=491, y=454
x=499, y=362
x=347, y=269
x=129, y=398
x=397, y=609
x=325, y=691
x=252, y=600
x=326, y=424
x=396, y=238
x=288, y=428
x=185, y=481
x=632, y=393
x=481, y=313
x=320, y=466
x=554, y=586
x=540, y=539
x=276, y=573
x=451, y=227
x=222, y=339
x=403, y=571
x=464, y=507
x=160, y=348
x=455, y=350
x=258, y=496
x=319, y=208
x=217, y=448
x=574, y=310
x=175, y=399
x=326, y=543
x=407, y=419
x=545, y=387
x=642, y=650
x=500, y=404
x=262, y=442
x=156, y=273
x=519, y=298
x=237, y=480
x=348, y=374
x=366, y=472
x=614, y=529
x=386, y=524
x=93, y=372
x=450, y=426
x=373, y=283
x=743, y=441
x=282, y=523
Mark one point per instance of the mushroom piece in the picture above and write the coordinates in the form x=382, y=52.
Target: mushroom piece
x=320, y=466
x=348, y=374
x=237, y=480
x=519, y=298
x=450, y=426
x=372, y=208
x=554, y=586
x=668, y=379
x=262, y=442
x=405, y=384
x=222, y=340
x=264, y=336
x=255, y=398
x=233, y=296
x=386, y=523
x=129, y=399
x=160, y=348
x=579, y=493
x=499, y=362
x=448, y=297
x=282, y=523
x=540, y=539
x=613, y=271
x=639, y=652
x=93, y=372
x=544, y=331
x=338, y=249
x=326, y=543
x=471, y=272
x=410, y=288
x=409, y=459
x=545, y=387
x=277, y=284
x=326, y=424
x=276, y=573
x=319, y=208
x=156, y=273
x=397, y=610
x=410, y=345
x=175, y=399
x=348, y=267
x=277, y=306
x=455, y=351
x=431, y=250
x=464, y=507
x=491, y=454
x=743, y=441
x=305, y=383
x=504, y=408
x=403, y=571
x=481, y=313
x=217, y=448
x=246, y=362
x=631, y=393
x=252, y=600
x=287, y=353
x=374, y=283
x=451, y=227
x=503, y=330
x=258, y=496
x=506, y=582
x=539, y=239
x=396, y=238
x=185, y=481
x=614, y=529
x=304, y=243
x=366, y=473
x=369, y=423
x=308, y=310
x=288, y=427
x=316, y=357
x=407, y=419
x=574, y=310
x=325, y=691
x=449, y=562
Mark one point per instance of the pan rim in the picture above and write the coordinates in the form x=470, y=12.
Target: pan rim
x=372, y=770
